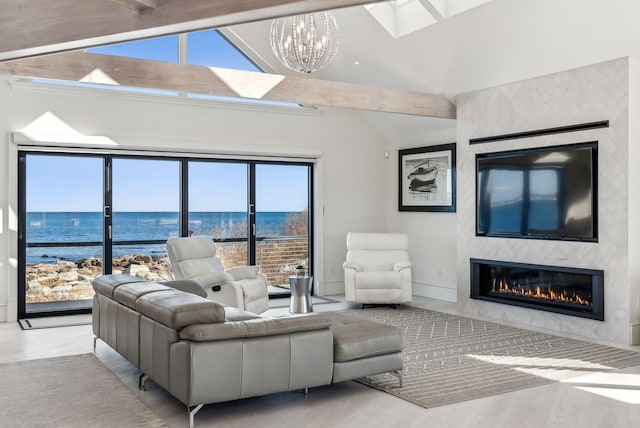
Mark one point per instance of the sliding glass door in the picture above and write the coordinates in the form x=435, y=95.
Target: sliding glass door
x=283, y=194
x=218, y=208
x=86, y=215
x=61, y=231
x=145, y=201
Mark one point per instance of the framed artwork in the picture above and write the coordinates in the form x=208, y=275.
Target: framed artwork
x=427, y=178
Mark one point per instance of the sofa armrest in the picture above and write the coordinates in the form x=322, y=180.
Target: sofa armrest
x=187, y=285
x=351, y=265
x=252, y=328
x=402, y=265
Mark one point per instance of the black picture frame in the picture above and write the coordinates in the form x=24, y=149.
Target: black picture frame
x=427, y=178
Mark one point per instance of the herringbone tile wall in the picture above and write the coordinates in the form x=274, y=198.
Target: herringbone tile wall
x=593, y=93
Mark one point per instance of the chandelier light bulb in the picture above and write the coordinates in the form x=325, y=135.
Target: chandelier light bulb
x=305, y=43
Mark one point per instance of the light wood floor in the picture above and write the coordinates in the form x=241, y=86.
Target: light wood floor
x=596, y=399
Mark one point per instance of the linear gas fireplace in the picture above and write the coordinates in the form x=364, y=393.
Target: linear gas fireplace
x=570, y=291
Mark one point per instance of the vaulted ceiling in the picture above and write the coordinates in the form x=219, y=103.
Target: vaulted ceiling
x=497, y=42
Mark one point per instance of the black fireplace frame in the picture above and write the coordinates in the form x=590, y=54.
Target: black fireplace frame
x=596, y=311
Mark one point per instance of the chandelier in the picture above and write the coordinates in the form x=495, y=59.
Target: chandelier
x=305, y=43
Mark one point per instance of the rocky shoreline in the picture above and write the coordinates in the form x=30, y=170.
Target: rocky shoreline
x=67, y=280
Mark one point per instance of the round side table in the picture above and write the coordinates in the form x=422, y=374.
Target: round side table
x=300, y=294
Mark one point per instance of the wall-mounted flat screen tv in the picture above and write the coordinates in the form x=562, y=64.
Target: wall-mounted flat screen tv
x=544, y=193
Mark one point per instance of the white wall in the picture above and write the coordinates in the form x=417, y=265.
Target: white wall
x=432, y=235
x=348, y=168
x=587, y=94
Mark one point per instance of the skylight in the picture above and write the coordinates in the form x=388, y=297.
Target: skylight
x=402, y=17
x=448, y=8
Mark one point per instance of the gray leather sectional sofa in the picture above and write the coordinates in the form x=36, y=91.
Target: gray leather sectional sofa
x=203, y=352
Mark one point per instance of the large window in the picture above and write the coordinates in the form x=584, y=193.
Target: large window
x=85, y=215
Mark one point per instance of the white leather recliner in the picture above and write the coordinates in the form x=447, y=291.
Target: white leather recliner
x=377, y=269
x=242, y=287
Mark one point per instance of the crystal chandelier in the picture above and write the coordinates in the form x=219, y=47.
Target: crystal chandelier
x=305, y=43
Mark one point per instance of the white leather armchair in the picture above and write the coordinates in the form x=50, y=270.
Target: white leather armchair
x=195, y=258
x=377, y=269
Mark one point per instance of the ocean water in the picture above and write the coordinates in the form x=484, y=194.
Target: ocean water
x=68, y=227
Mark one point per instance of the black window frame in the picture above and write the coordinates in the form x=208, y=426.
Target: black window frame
x=108, y=243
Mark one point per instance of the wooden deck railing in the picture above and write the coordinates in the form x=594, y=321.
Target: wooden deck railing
x=67, y=280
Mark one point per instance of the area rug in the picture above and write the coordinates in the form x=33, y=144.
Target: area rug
x=449, y=359
x=70, y=391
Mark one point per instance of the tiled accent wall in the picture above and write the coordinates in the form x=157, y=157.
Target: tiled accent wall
x=588, y=94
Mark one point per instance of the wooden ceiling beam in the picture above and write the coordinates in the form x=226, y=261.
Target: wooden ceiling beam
x=87, y=67
x=40, y=27
x=137, y=4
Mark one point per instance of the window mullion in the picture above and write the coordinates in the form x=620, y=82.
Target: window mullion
x=107, y=254
x=251, y=233
x=182, y=48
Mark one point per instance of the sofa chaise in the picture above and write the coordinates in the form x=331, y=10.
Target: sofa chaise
x=203, y=352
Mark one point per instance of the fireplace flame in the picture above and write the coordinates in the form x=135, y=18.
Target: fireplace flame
x=540, y=292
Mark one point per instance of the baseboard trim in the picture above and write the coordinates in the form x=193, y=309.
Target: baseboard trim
x=634, y=334
x=4, y=313
x=435, y=292
x=422, y=290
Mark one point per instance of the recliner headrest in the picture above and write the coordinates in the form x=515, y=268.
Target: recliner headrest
x=193, y=247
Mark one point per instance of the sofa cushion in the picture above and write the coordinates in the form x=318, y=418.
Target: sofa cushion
x=232, y=313
x=376, y=260
x=106, y=284
x=378, y=280
x=377, y=251
x=128, y=294
x=194, y=267
x=252, y=328
x=176, y=309
x=355, y=338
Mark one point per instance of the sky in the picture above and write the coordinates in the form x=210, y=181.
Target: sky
x=74, y=183
x=207, y=48
x=55, y=182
